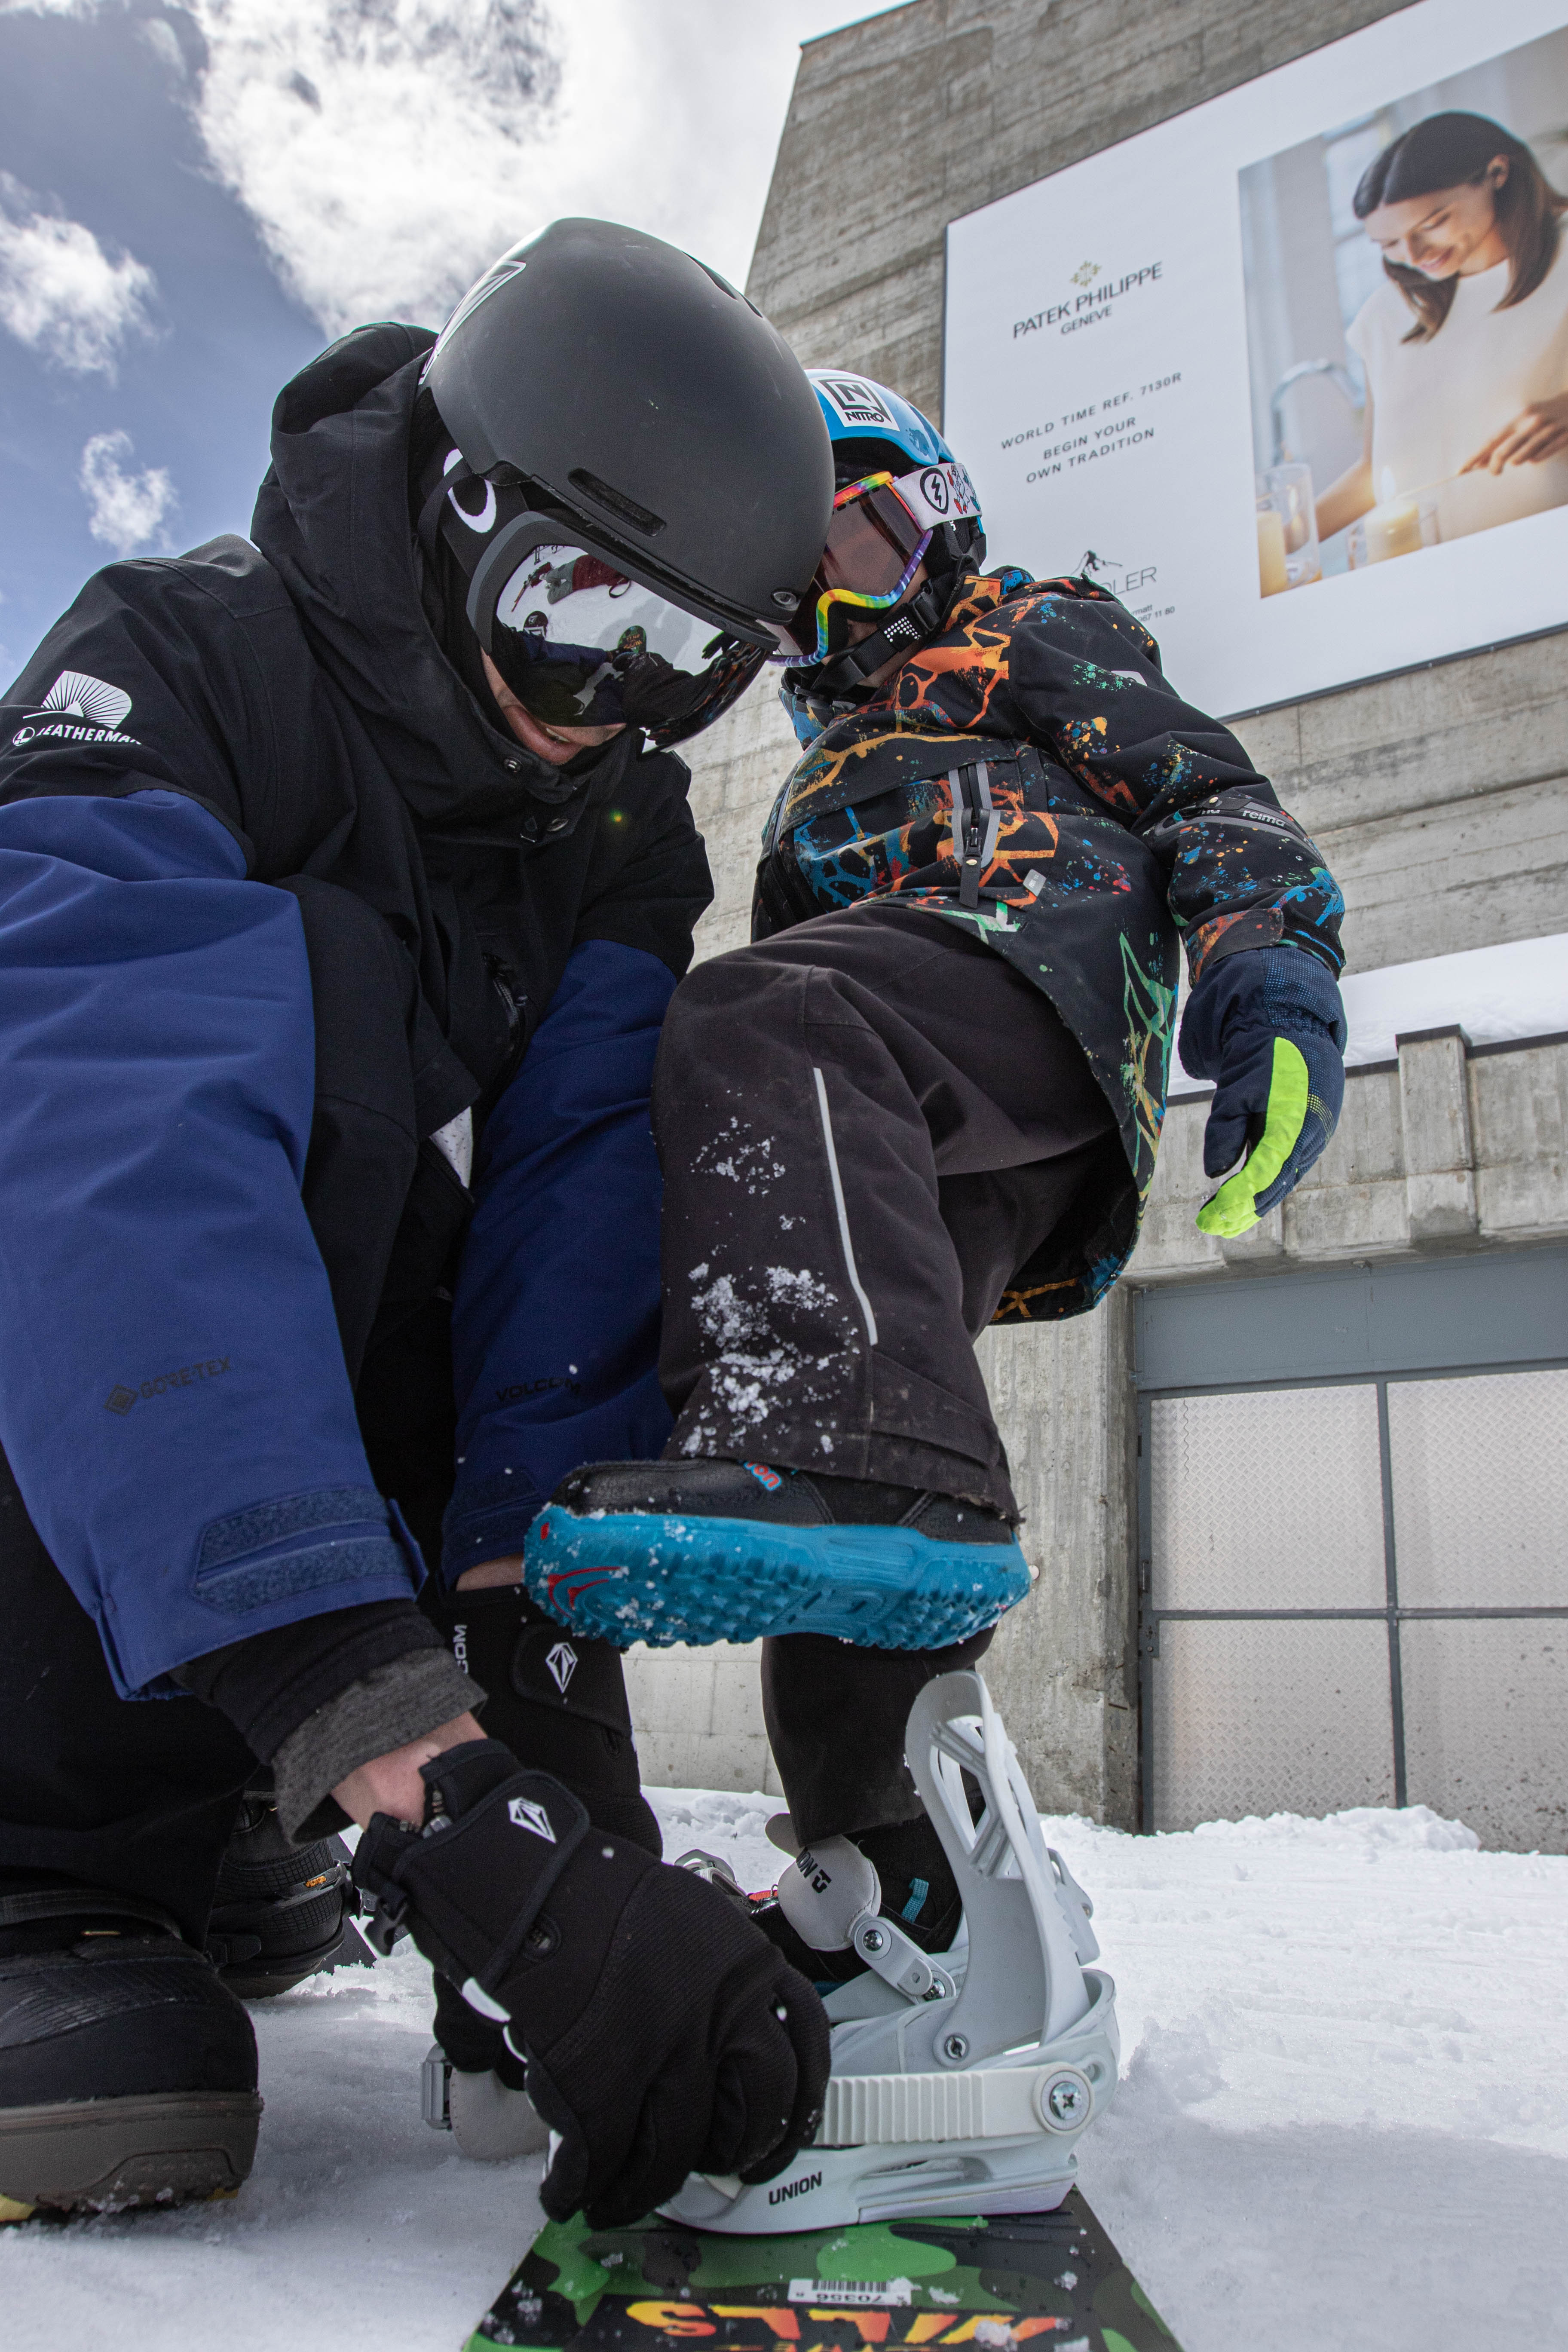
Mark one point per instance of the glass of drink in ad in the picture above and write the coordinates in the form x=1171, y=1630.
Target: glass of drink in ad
x=1401, y=524
x=1290, y=490
x=1272, y=576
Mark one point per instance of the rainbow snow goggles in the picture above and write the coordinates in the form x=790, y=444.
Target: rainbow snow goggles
x=882, y=527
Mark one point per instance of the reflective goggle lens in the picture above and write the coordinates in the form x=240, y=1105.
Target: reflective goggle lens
x=581, y=646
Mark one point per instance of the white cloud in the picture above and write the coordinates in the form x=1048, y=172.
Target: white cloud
x=164, y=43
x=385, y=149
x=127, y=511
x=388, y=150
x=61, y=293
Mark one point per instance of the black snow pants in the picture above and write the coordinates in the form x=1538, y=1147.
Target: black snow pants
x=867, y=1125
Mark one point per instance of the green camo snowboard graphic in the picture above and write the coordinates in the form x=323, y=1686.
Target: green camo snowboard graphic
x=660, y=2286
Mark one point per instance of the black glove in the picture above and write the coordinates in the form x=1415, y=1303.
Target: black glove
x=1268, y=1026
x=663, y=2035
x=557, y=1700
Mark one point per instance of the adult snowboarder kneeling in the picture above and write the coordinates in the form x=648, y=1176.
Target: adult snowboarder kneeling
x=927, y=1099
x=327, y=864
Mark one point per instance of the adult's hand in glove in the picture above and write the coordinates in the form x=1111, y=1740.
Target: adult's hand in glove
x=663, y=2035
x=1267, y=1026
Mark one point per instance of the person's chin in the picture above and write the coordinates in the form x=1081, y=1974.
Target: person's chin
x=536, y=737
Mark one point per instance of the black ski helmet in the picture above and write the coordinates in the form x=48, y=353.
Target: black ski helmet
x=611, y=398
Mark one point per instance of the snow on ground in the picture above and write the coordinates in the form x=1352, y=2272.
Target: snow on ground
x=1342, y=2122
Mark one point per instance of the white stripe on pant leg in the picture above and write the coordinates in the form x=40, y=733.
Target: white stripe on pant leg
x=849, y=1266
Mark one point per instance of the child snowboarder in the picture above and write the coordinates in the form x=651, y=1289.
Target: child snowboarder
x=927, y=1098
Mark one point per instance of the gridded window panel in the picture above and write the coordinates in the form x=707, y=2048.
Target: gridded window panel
x=1486, y=1726
x=1480, y=1490
x=1272, y=1717
x=1270, y=1499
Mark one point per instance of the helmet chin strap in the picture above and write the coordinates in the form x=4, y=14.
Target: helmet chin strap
x=916, y=620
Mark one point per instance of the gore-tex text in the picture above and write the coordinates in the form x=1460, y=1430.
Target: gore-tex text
x=121, y=1399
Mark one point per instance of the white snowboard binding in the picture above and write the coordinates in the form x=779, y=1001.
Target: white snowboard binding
x=960, y=2082
x=488, y=2121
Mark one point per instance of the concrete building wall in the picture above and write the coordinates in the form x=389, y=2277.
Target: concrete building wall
x=902, y=123
x=1439, y=799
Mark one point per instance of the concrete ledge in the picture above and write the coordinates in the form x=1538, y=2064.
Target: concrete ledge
x=1445, y=1147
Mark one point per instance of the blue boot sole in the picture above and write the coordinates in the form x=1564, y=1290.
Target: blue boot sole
x=637, y=1576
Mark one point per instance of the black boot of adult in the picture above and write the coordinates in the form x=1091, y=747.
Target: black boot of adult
x=282, y=1912
x=127, y=2071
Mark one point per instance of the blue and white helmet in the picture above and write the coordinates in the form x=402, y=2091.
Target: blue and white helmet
x=906, y=521
x=858, y=410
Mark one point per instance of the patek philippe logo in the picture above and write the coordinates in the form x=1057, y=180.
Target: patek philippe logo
x=526, y=1815
x=561, y=1662
x=1086, y=273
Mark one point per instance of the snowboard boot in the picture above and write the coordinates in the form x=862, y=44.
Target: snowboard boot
x=732, y=1551
x=898, y=1872
x=127, y=2071
x=280, y=1912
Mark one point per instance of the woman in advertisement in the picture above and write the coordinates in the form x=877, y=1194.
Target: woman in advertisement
x=1464, y=345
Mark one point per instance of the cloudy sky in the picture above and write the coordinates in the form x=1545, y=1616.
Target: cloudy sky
x=193, y=199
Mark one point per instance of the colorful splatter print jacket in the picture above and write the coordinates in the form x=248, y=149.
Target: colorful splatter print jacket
x=1100, y=822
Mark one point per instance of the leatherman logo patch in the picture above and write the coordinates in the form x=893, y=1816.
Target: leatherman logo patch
x=81, y=709
x=563, y=1665
x=526, y=1815
x=121, y=1399
x=74, y=695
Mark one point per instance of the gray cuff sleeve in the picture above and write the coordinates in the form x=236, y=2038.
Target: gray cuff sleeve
x=385, y=1709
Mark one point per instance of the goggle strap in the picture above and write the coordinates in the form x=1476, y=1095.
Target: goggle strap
x=958, y=501
x=854, y=665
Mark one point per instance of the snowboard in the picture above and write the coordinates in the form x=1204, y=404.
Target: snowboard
x=660, y=2286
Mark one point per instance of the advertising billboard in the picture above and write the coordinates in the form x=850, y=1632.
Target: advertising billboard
x=1293, y=366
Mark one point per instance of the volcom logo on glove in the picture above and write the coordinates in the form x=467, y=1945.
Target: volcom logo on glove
x=561, y=1662
x=527, y=1815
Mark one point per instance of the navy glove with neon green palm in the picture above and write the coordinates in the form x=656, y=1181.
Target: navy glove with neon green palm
x=1268, y=1026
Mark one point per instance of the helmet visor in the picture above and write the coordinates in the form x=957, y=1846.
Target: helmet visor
x=880, y=530
x=581, y=646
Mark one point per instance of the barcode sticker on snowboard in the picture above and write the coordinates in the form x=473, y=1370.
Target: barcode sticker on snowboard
x=848, y=2293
